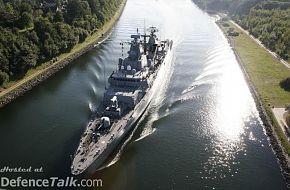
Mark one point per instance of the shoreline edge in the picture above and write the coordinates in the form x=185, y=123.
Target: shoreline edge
x=26, y=84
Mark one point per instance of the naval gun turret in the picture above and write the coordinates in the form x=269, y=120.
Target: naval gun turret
x=113, y=109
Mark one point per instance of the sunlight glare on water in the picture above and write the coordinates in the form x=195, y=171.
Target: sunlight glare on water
x=233, y=106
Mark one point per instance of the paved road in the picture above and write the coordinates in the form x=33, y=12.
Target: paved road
x=279, y=114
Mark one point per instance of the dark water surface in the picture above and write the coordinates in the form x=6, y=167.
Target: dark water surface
x=201, y=132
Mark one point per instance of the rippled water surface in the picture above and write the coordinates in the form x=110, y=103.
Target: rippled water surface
x=202, y=130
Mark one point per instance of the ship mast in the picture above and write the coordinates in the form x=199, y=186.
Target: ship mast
x=144, y=43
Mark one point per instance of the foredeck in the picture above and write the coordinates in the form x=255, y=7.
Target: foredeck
x=88, y=151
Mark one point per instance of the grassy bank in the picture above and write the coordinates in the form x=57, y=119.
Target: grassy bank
x=75, y=52
x=265, y=73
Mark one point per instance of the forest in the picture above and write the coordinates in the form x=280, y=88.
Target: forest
x=33, y=32
x=268, y=21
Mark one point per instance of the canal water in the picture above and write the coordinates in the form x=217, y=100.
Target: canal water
x=202, y=130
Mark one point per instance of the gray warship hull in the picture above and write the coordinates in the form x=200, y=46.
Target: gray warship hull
x=136, y=114
x=132, y=87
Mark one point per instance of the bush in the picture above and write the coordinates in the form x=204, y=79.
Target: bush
x=4, y=78
x=285, y=84
x=234, y=34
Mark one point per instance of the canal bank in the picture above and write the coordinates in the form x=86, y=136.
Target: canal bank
x=196, y=134
x=50, y=68
x=278, y=141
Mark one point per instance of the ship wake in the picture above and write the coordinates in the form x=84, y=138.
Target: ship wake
x=156, y=107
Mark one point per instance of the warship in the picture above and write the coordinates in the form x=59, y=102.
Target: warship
x=132, y=86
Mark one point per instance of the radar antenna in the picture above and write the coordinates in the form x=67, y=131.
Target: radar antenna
x=153, y=29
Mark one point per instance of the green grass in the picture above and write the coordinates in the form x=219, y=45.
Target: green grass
x=265, y=73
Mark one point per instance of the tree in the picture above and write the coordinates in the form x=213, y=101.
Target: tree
x=4, y=62
x=7, y=14
x=24, y=55
x=25, y=20
x=50, y=48
x=43, y=26
x=94, y=5
x=285, y=84
x=38, y=13
x=25, y=7
x=4, y=78
x=77, y=9
x=58, y=17
x=68, y=36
